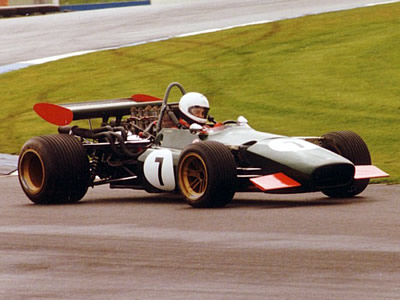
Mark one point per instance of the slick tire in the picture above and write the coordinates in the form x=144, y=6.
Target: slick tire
x=207, y=175
x=53, y=169
x=351, y=146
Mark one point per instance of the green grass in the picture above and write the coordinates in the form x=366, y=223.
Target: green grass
x=306, y=76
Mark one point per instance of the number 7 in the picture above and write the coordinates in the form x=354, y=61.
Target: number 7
x=160, y=161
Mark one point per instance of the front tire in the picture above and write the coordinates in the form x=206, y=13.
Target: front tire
x=207, y=175
x=53, y=169
x=351, y=146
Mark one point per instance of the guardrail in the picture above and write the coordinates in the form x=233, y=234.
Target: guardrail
x=9, y=11
x=39, y=6
x=102, y=5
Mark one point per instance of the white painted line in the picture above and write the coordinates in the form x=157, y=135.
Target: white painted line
x=381, y=3
x=223, y=28
x=57, y=57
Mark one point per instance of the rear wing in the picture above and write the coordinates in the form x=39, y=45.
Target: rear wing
x=64, y=114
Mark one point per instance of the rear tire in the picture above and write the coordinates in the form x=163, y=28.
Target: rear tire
x=207, y=175
x=53, y=169
x=351, y=146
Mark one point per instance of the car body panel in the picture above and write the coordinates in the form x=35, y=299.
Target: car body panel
x=140, y=152
x=296, y=154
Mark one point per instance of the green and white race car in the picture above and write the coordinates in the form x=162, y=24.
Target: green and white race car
x=142, y=145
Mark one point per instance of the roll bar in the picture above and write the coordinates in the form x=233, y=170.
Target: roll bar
x=165, y=102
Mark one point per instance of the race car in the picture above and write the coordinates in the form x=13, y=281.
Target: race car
x=141, y=144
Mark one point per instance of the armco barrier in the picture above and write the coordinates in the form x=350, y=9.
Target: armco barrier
x=23, y=10
x=102, y=5
x=9, y=11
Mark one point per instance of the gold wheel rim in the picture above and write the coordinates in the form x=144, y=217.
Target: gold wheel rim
x=193, y=176
x=31, y=171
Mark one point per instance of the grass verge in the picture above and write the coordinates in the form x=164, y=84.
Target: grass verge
x=306, y=76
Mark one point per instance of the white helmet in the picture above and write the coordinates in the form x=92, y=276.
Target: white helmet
x=194, y=107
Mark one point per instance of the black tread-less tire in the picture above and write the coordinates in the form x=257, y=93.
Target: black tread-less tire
x=351, y=146
x=207, y=175
x=53, y=169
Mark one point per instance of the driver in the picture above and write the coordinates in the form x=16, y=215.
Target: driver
x=194, y=108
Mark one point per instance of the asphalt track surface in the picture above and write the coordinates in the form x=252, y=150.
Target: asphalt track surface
x=133, y=245
x=123, y=244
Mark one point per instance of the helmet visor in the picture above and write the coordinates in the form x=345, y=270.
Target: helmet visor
x=199, y=111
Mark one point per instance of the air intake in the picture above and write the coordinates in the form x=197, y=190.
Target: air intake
x=333, y=176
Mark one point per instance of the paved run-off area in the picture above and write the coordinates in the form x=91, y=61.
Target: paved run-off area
x=125, y=244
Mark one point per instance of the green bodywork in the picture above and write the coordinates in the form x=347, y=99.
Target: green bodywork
x=294, y=154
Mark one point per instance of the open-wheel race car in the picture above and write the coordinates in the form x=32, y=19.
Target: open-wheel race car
x=141, y=144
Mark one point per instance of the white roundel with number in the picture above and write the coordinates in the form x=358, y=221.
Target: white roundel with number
x=159, y=170
x=291, y=145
